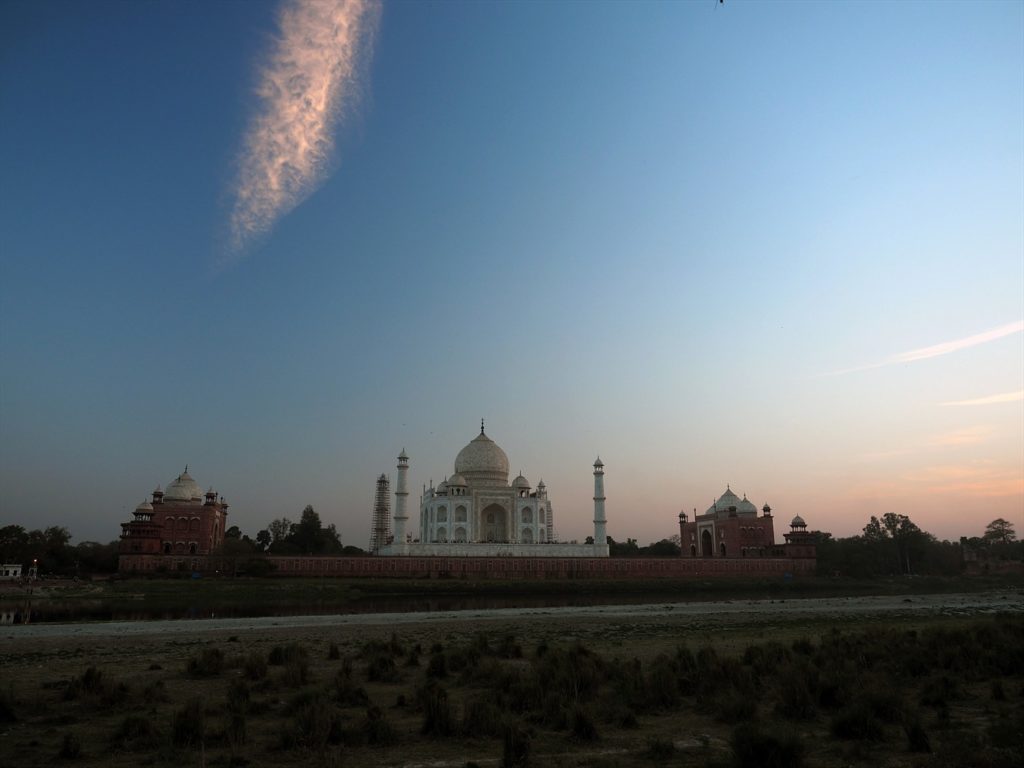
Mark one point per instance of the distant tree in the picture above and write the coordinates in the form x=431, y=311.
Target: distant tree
x=663, y=548
x=279, y=529
x=263, y=539
x=588, y=540
x=626, y=549
x=999, y=531
x=234, y=532
x=93, y=557
x=898, y=535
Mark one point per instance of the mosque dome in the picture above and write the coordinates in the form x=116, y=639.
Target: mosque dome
x=483, y=461
x=746, y=506
x=520, y=482
x=726, y=500
x=798, y=522
x=183, y=488
x=145, y=506
x=456, y=481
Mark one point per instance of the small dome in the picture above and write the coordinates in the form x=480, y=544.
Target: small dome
x=746, y=505
x=443, y=485
x=798, y=522
x=456, y=481
x=598, y=463
x=541, y=483
x=183, y=488
x=520, y=482
x=145, y=506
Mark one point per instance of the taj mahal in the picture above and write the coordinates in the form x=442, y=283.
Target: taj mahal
x=477, y=512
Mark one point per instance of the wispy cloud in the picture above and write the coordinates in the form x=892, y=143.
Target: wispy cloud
x=1005, y=397
x=306, y=85
x=965, y=436
x=936, y=350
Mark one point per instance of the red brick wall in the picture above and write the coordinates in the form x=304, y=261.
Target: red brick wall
x=487, y=567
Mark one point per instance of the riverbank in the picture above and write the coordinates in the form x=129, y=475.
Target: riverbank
x=153, y=670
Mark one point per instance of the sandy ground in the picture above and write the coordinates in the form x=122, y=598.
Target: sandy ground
x=844, y=609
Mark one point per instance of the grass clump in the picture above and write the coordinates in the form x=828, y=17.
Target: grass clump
x=515, y=748
x=70, y=747
x=753, y=747
x=254, y=667
x=136, y=732
x=188, y=725
x=208, y=663
x=437, y=711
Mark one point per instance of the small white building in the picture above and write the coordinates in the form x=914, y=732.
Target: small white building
x=10, y=571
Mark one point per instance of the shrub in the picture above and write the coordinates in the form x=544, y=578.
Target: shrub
x=376, y=729
x=755, y=748
x=315, y=724
x=482, y=717
x=515, y=751
x=333, y=652
x=581, y=725
x=208, y=663
x=381, y=669
x=187, y=724
x=437, y=712
x=235, y=730
x=238, y=696
x=857, y=722
x=255, y=666
x=437, y=667
x=734, y=707
x=282, y=654
x=346, y=692
x=660, y=749
x=7, y=708
x=917, y=737
x=794, y=687
x=296, y=671
x=136, y=732
x=70, y=747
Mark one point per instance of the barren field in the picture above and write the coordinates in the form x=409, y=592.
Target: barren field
x=668, y=683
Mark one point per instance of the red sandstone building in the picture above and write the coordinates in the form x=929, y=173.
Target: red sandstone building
x=731, y=528
x=178, y=529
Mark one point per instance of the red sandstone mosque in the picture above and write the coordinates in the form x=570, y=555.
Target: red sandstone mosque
x=731, y=528
x=180, y=527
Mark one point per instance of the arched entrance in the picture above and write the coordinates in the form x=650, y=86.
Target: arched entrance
x=494, y=523
x=707, y=546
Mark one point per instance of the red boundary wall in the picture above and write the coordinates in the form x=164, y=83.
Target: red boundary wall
x=482, y=567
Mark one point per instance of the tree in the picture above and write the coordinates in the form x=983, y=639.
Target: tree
x=234, y=532
x=279, y=529
x=999, y=531
x=263, y=540
x=899, y=536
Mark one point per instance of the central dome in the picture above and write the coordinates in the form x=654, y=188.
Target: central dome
x=482, y=462
x=183, y=488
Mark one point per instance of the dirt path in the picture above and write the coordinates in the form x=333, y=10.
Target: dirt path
x=750, y=611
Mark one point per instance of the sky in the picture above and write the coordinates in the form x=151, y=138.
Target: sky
x=778, y=246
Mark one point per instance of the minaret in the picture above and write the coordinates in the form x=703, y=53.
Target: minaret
x=600, y=535
x=401, y=495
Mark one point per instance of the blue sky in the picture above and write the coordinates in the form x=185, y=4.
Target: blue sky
x=664, y=233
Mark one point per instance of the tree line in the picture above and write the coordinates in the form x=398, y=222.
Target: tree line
x=888, y=545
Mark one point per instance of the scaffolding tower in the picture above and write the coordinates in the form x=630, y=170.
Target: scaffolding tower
x=380, y=534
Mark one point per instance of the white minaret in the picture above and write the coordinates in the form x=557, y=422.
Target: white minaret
x=401, y=495
x=600, y=535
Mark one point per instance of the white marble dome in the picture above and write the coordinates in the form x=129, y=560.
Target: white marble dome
x=520, y=482
x=482, y=461
x=183, y=488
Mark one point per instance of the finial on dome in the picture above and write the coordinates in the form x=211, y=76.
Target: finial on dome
x=481, y=426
